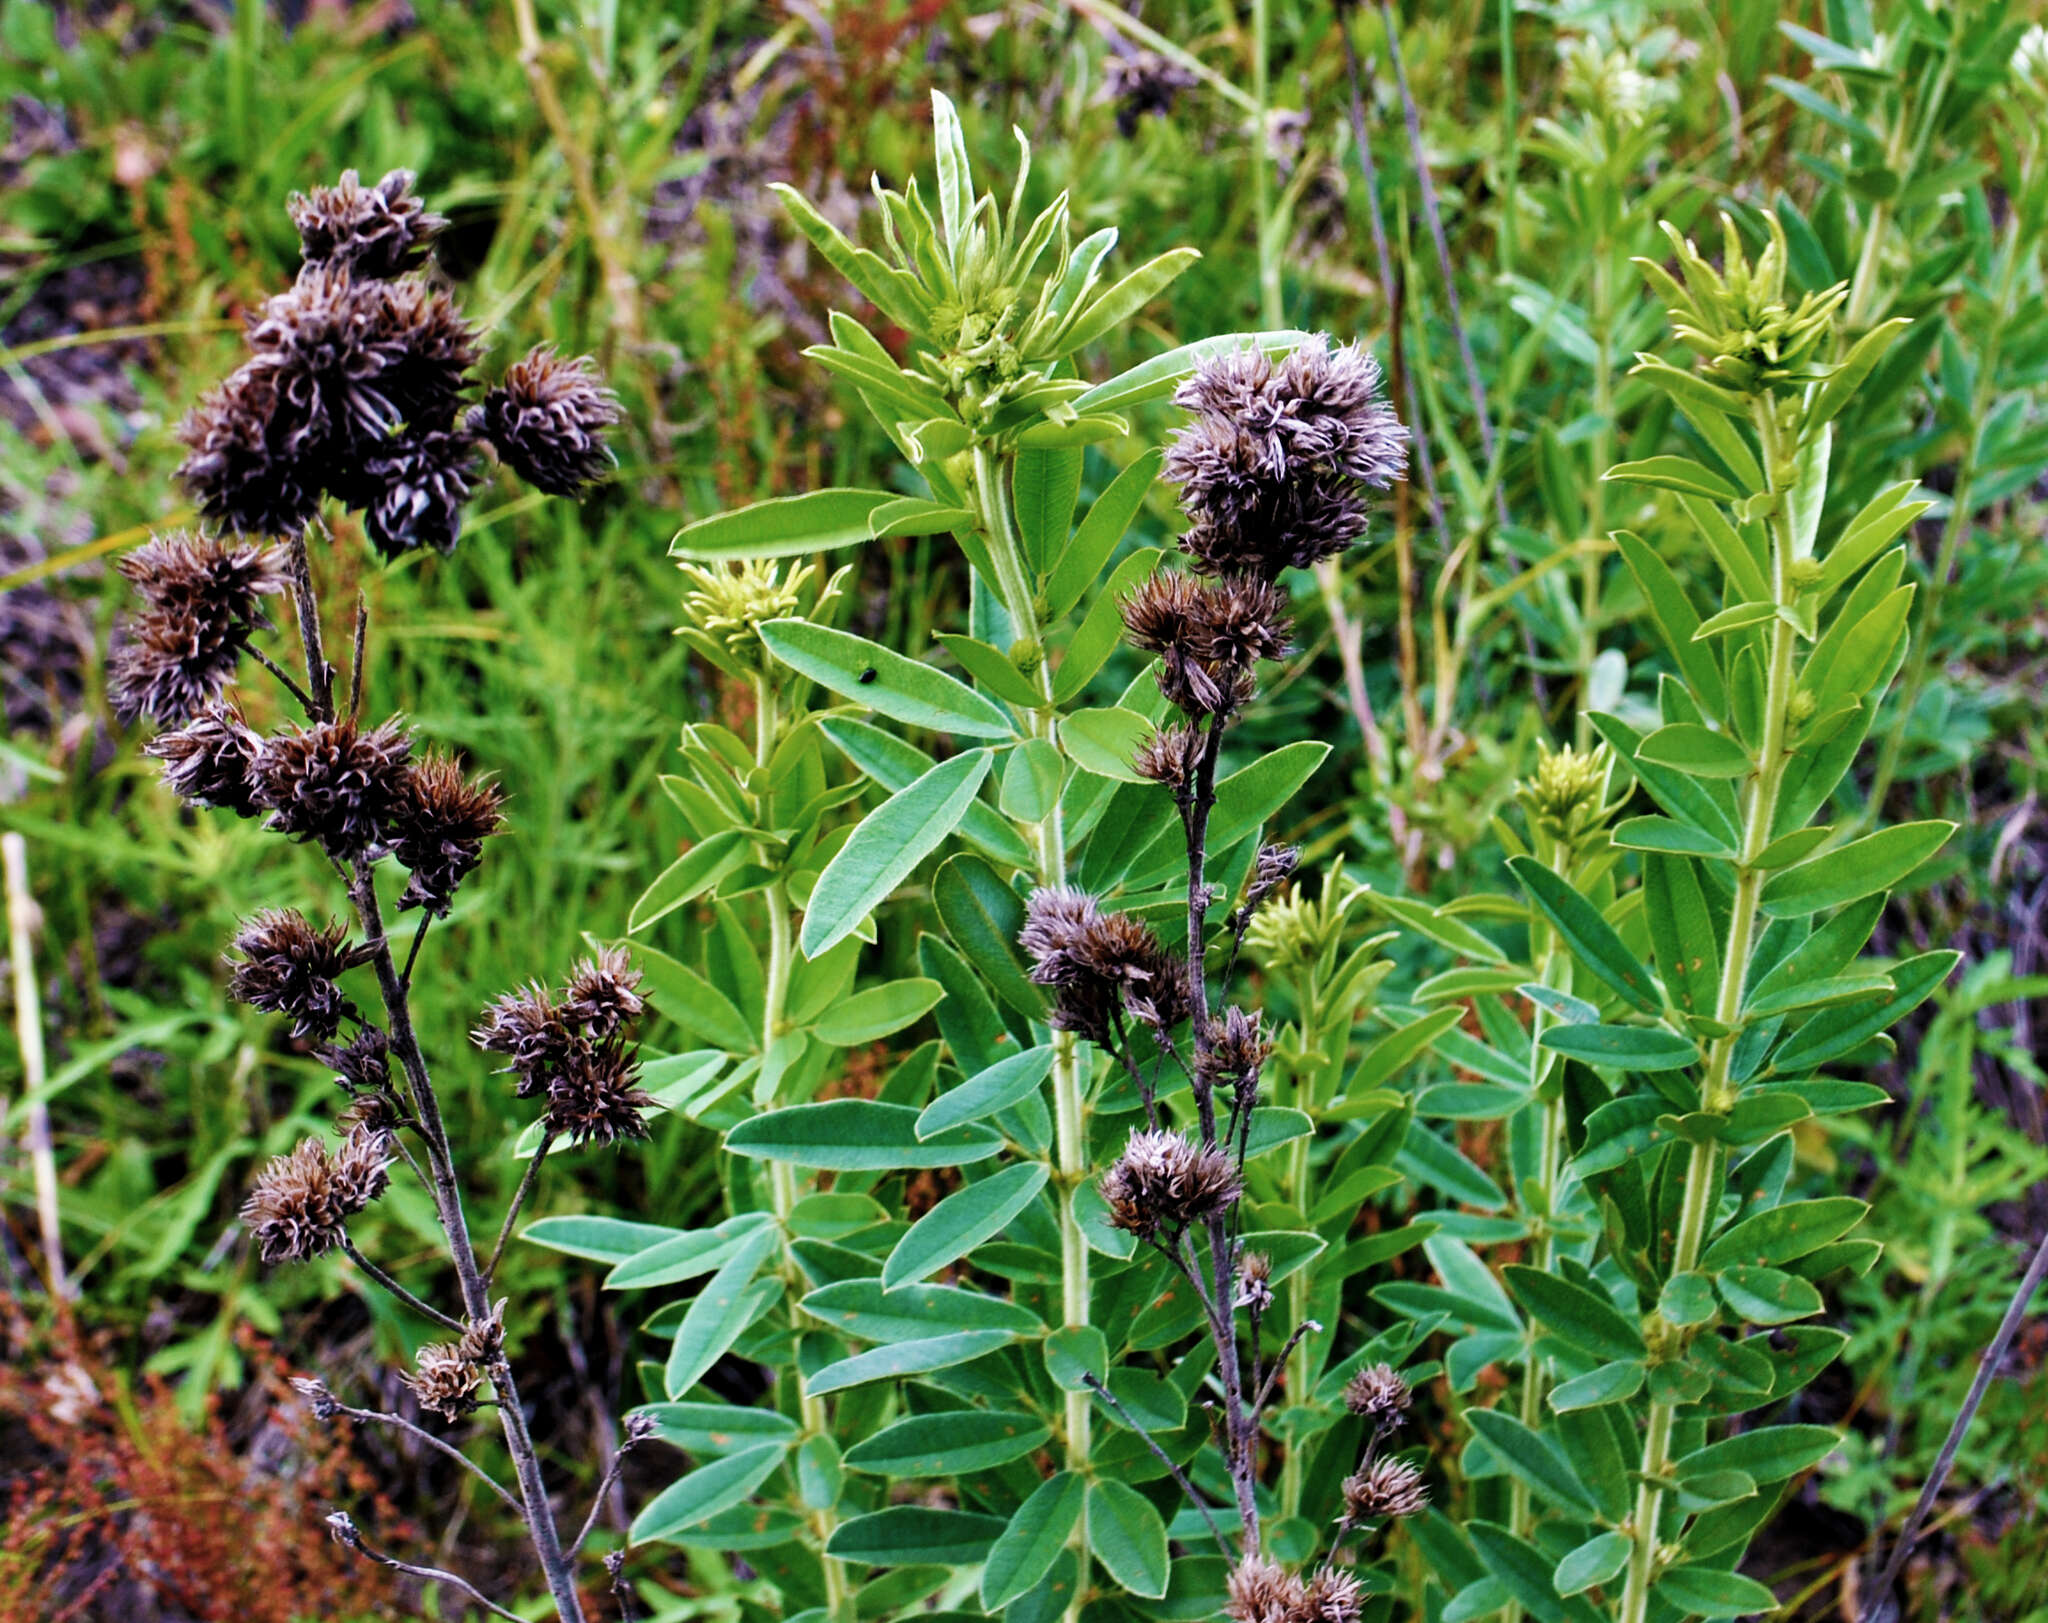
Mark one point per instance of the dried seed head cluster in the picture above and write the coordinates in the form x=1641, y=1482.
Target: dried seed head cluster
x=376, y=231
x=1378, y=1394
x=1208, y=635
x=302, y=1201
x=436, y=826
x=1236, y=1053
x=1261, y=1591
x=1142, y=83
x=446, y=1375
x=1382, y=1490
x=1098, y=964
x=1254, y=1281
x=291, y=966
x=547, y=420
x=357, y=384
x=210, y=760
x=179, y=654
x=1274, y=465
x=1164, y=1181
x=573, y=1047
x=333, y=783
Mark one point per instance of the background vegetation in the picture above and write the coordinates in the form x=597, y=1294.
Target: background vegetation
x=606, y=167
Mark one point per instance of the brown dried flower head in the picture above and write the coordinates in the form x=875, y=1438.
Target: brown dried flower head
x=595, y=1097
x=547, y=419
x=1262, y=1591
x=1169, y=756
x=1378, y=1394
x=290, y=966
x=1097, y=963
x=1384, y=1490
x=1273, y=466
x=1208, y=635
x=437, y=827
x=1165, y=1181
x=376, y=231
x=1333, y=1596
x=531, y=1032
x=411, y=489
x=333, y=782
x=363, y=1063
x=603, y=992
x=180, y=653
x=208, y=761
x=444, y=1382
x=1237, y=1053
x=1254, y=1281
x=301, y=1202
x=243, y=478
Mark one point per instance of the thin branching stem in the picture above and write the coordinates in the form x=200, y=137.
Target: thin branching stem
x=375, y=1417
x=519, y=1196
x=1129, y=1420
x=346, y=1533
x=424, y=1309
x=291, y=685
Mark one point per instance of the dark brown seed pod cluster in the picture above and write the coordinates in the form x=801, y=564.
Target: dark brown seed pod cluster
x=358, y=386
x=210, y=761
x=436, y=827
x=333, y=783
x=1274, y=466
x=1098, y=964
x=290, y=966
x=1209, y=635
x=573, y=1047
x=1262, y=1591
x=301, y=1204
x=1382, y=1490
x=203, y=603
x=1164, y=1181
x=447, y=1375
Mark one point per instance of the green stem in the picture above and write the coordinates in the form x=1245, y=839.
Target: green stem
x=1596, y=497
x=1049, y=845
x=1294, y=1467
x=784, y=1191
x=1717, y=1091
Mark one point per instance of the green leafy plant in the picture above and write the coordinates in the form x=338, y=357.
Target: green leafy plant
x=1684, y=1023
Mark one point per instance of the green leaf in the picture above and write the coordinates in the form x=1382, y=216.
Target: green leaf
x=1031, y=781
x=1096, y=536
x=1033, y=1539
x=1675, y=473
x=714, y=1322
x=685, y=1256
x=1533, y=1459
x=1103, y=628
x=864, y=1310
x=1610, y=1383
x=1580, y=1316
x=877, y=1012
x=1043, y=488
x=905, y=690
x=1520, y=1568
x=1667, y=835
x=952, y=1443
x=1769, y=1454
x=1253, y=793
x=1766, y=1295
x=905, y=1535
x=1127, y=1536
x=1159, y=377
x=892, y=763
x=690, y=875
x=1784, y=1233
x=1594, y=1562
x=706, y=1491
x=1698, y=751
x=857, y=1135
x=1843, y=382
x=1386, y=1057
x=1104, y=741
x=1591, y=938
x=1861, y=868
x=1439, y=927
x=1711, y=1592
x=896, y=1359
x=993, y=670
x=719, y=1428
x=599, y=1239
x=1677, y=620
x=789, y=526
x=1687, y=1299
x=1121, y=301
x=1626, y=1048
x=983, y=914
x=890, y=841
x=988, y=1091
x=680, y=994
x=961, y=1222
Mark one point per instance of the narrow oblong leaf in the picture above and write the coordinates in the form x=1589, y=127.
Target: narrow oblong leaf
x=706, y=1491
x=1592, y=939
x=997, y=1088
x=1032, y=1540
x=905, y=690
x=877, y=1012
x=1535, y=1460
x=1128, y=1537
x=894, y=1360
x=785, y=527
x=949, y=1444
x=961, y=1222
x=714, y=1322
x=1861, y=868
x=907, y=1534
x=890, y=841
x=857, y=1135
